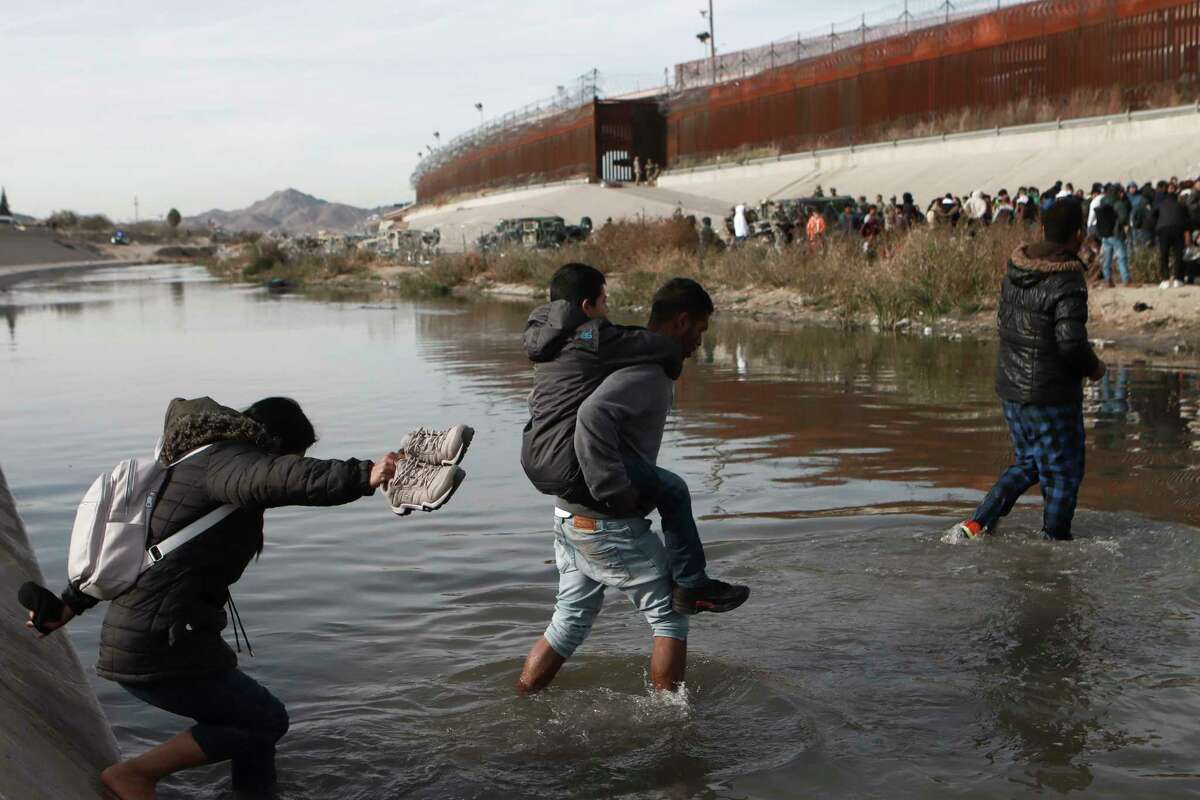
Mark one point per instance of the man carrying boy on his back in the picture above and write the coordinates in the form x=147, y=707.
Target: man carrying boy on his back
x=1044, y=357
x=575, y=348
x=618, y=433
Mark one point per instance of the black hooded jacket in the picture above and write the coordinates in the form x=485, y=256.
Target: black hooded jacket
x=168, y=625
x=572, y=357
x=1170, y=214
x=1044, y=350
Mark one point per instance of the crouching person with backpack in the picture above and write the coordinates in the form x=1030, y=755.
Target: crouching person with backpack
x=216, y=471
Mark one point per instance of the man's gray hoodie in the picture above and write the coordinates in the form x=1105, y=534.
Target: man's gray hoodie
x=572, y=356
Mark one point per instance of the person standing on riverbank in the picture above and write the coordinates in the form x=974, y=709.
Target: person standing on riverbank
x=604, y=540
x=162, y=639
x=1043, y=358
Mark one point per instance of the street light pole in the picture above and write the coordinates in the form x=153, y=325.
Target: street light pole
x=712, y=40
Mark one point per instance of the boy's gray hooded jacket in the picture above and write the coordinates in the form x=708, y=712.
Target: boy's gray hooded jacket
x=572, y=356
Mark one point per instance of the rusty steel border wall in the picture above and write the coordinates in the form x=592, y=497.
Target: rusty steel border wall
x=1043, y=50
x=558, y=147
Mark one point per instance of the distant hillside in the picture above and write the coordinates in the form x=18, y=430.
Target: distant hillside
x=289, y=210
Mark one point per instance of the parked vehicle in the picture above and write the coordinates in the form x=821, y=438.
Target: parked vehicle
x=534, y=233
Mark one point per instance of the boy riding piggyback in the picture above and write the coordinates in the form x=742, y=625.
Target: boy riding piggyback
x=574, y=348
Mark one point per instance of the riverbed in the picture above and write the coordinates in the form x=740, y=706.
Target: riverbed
x=872, y=660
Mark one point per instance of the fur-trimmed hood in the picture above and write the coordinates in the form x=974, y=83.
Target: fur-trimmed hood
x=1032, y=263
x=194, y=423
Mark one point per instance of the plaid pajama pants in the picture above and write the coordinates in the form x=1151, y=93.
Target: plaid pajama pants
x=1048, y=447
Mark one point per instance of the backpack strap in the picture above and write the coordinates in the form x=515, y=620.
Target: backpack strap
x=178, y=539
x=181, y=537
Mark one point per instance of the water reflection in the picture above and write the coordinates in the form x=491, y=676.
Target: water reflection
x=1038, y=681
x=846, y=415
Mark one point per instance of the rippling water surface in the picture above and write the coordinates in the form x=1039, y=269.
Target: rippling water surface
x=871, y=661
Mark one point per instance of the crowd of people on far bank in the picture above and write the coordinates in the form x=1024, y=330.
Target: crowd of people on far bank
x=1120, y=219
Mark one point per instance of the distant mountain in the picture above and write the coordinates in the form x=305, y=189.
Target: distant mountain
x=289, y=210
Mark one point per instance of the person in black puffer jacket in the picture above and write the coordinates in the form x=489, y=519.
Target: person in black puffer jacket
x=161, y=639
x=1044, y=357
x=1172, y=222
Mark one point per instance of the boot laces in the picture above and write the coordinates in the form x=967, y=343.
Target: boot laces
x=424, y=440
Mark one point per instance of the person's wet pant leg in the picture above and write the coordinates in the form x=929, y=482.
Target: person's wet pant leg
x=237, y=720
x=1060, y=453
x=1015, y=480
x=673, y=499
x=622, y=553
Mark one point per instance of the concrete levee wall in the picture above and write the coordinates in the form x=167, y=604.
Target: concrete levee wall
x=54, y=738
x=1139, y=147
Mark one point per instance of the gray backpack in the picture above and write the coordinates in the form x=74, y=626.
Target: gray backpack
x=112, y=525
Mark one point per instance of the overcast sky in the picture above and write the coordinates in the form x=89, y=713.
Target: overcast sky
x=217, y=104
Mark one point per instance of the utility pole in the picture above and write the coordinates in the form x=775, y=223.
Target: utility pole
x=135, y=208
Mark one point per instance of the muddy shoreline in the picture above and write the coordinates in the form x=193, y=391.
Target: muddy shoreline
x=1167, y=332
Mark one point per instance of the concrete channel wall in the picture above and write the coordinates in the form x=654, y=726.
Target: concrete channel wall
x=54, y=738
x=1146, y=145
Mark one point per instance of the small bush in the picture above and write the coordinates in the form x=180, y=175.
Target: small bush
x=95, y=222
x=421, y=284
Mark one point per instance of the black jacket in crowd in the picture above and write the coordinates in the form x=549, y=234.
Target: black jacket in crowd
x=1170, y=213
x=572, y=356
x=1044, y=350
x=168, y=625
x=1107, y=223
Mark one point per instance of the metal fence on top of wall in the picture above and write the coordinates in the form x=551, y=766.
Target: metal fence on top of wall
x=912, y=16
x=1041, y=50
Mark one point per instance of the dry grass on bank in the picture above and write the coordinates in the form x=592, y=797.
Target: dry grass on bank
x=933, y=272
x=264, y=259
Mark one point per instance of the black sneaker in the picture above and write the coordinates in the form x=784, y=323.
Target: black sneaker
x=1056, y=537
x=715, y=596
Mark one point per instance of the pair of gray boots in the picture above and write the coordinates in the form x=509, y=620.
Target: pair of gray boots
x=428, y=474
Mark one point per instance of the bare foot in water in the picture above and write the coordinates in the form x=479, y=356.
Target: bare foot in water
x=127, y=783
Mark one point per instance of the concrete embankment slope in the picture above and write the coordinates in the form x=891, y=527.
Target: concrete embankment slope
x=54, y=738
x=39, y=246
x=1148, y=145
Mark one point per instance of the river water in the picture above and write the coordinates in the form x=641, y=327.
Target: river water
x=871, y=661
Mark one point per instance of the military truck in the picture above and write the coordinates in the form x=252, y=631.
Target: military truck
x=533, y=233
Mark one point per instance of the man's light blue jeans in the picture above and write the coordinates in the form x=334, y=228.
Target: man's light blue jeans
x=1108, y=246
x=622, y=553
